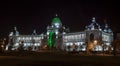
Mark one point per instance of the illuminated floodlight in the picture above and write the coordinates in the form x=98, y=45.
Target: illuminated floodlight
x=71, y=44
x=95, y=42
x=67, y=44
x=107, y=44
x=51, y=40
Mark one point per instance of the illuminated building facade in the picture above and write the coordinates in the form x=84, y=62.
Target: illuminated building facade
x=27, y=42
x=58, y=36
x=93, y=38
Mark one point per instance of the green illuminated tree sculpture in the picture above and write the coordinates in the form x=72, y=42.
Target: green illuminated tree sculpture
x=52, y=39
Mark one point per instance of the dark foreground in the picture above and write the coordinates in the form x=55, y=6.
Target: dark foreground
x=56, y=59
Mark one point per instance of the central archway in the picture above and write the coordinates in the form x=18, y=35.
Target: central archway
x=91, y=37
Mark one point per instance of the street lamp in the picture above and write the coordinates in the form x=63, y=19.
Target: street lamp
x=95, y=42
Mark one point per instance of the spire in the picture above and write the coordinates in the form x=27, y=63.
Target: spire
x=15, y=28
x=107, y=28
x=16, y=31
x=106, y=25
x=93, y=19
x=56, y=15
x=93, y=25
x=34, y=32
x=56, y=19
x=11, y=34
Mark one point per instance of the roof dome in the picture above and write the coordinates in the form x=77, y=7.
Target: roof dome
x=56, y=20
x=107, y=29
x=93, y=25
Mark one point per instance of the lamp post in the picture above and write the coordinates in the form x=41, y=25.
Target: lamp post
x=95, y=43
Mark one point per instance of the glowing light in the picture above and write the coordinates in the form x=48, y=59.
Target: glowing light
x=47, y=33
x=2, y=46
x=51, y=40
x=95, y=42
x=30, y=38
x=64, y=32
x=71, y=44
x=67, y=44
x=98, y=48
x=19, y=38
x=38, y=44
x=56, y=32
x=108, y=44
x=17, y=44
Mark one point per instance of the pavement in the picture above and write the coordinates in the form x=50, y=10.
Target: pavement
x=56, y=59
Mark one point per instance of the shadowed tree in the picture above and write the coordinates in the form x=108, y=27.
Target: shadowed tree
x=20, y=48
x=116, y=46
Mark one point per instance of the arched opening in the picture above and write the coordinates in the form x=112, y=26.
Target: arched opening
x=91, y=37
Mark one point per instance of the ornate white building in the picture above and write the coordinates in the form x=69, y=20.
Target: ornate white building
x=93, y=37
x=58, y=36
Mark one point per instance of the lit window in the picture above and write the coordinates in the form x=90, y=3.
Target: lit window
x=19, y=38
x=17, y=44
x=108, y=44
x=47, y=33
x=67, y=44
x=71, y=44
x=23, y=38
x=56, y=32
x=30, y=38
x=38, y=44
x=57, y=25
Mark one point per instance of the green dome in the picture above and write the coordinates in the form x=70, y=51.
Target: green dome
x=56, y=20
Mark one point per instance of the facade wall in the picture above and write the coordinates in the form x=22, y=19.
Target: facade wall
x=74, y=41
x=81, y=40
x=77, y=41
x=27, y=41
x=92, y=38
x=107, y=39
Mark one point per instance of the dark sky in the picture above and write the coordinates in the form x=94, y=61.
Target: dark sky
x=29, y=15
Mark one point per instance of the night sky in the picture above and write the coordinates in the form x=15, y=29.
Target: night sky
x=30, y=15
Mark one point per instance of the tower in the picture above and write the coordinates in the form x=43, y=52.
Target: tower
x=34, y=32
x=56, y=25
x=93, y=31
x=16, y=31
x=56, y=22
x=107, y=29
